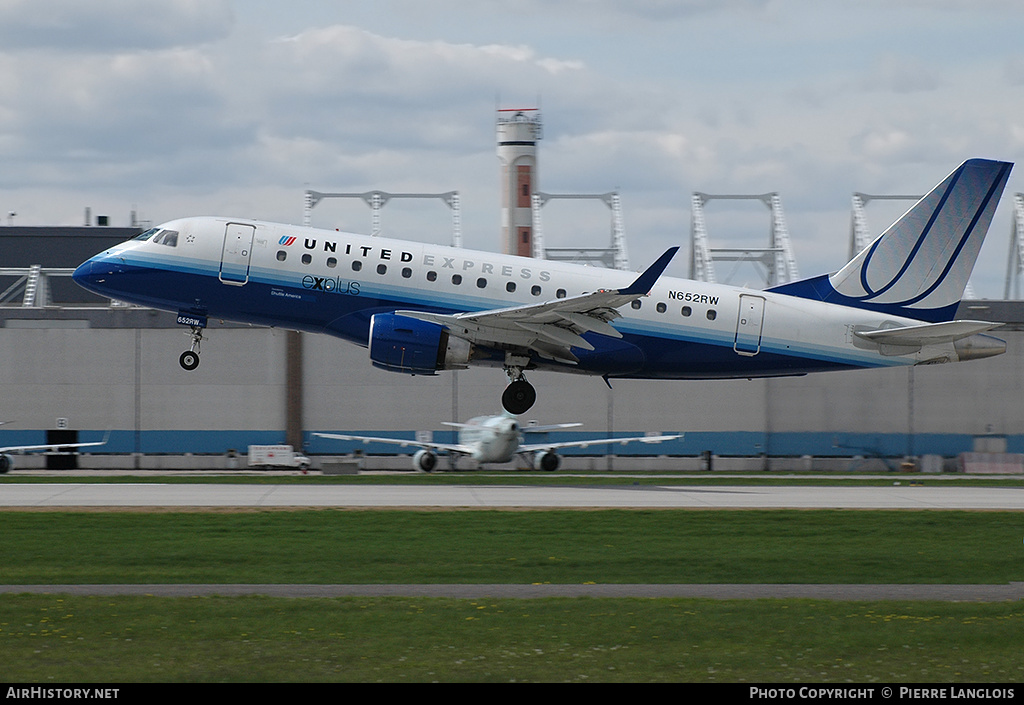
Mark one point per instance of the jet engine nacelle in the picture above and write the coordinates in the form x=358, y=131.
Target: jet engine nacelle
x=6, y=463
x=546, y=460
x=403, y=344
x=425, y=460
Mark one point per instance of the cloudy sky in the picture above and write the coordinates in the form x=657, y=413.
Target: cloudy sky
x=190, y=107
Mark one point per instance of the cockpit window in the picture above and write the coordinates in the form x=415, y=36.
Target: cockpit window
x=166, y=237
x=160, y=236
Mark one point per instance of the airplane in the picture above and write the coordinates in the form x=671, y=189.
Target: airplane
x=420, y=308
x=7, y=460
x=495, y=439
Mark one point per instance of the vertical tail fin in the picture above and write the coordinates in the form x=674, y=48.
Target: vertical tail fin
x=920, y=265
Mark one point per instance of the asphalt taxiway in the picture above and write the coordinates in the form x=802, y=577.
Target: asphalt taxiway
x=639, y=496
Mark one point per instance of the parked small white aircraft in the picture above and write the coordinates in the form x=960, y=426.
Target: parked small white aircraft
x=495, y=439
x=422, y=308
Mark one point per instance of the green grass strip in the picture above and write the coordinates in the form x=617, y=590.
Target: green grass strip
x=54, y=639
x=495, y=546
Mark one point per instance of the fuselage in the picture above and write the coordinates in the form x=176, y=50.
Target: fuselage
x=332, y=282
x=494, y=439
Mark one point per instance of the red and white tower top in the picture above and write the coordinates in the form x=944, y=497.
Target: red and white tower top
x=519, y=130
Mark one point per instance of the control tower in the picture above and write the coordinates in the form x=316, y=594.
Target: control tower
x=519, y=130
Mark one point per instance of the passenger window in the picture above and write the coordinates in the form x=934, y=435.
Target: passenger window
x=332, y=262
x=687, y=310
x=431, y=276
x=711, y=314
x=635, y=303
x=560, y=294
x=661, y=308
x=535, y=290
x=510, y=287
x=307, y=258
x=481, y=283
x=382, y=269
x=406, y=272
x=356, y=265
x=282, y=255
x=456, y=279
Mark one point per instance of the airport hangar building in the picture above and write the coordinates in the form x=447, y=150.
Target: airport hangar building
x=75, y=367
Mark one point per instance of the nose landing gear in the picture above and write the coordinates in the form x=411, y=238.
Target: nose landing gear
x=189, y=359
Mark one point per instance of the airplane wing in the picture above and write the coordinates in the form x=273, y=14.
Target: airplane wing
x=51, y=446
x=528, y=428
x=442, y=447
x=552, y=328
x=530, y=448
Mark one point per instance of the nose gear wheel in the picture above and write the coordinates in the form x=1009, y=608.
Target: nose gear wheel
x=189, y=360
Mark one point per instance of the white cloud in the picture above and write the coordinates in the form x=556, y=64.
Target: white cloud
x=186, y=107
x=900, y=74
x=111, y=25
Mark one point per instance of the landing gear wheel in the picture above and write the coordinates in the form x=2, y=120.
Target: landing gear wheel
x=189, y=360
x=518, y=397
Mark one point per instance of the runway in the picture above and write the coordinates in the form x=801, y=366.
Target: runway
x=636, y=496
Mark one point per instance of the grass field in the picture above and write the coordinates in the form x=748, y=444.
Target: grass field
x=60, y=638
x=56, y=639
x=497, y=546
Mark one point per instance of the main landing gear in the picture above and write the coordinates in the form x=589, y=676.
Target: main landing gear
x=189, y=359
x=519, y=395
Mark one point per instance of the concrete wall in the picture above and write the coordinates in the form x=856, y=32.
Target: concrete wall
x=118, y=370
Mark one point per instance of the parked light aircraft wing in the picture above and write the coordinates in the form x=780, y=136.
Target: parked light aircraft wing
x=403, y=442
x=551, y=328
x=534, y=447
x=7, y=462
x=49, y=446
x=531, y=427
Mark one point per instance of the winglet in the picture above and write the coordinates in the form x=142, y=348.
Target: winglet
x=645, y=282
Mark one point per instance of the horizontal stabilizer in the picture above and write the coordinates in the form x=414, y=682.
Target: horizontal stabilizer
x=926, y=334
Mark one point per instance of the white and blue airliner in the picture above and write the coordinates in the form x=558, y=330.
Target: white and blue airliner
x=422, y=308
x=496, y=439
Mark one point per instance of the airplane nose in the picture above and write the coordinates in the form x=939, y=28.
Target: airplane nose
x=82, y=273
x=91, y=274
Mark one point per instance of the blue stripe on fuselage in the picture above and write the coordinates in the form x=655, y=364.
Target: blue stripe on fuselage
x=270, y=297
